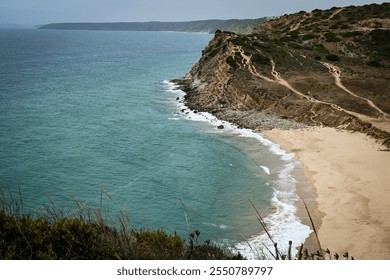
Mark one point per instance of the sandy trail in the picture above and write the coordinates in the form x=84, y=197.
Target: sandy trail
x=310, y=15
x=381, y=123
x=296, y=26
x=336, y=72
x=247, y=61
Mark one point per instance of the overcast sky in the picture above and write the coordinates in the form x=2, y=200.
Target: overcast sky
x=31, y=12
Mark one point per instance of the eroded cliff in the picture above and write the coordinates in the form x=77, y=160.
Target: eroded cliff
x=328, y=68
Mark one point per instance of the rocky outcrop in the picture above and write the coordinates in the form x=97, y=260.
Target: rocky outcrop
x=287, y=71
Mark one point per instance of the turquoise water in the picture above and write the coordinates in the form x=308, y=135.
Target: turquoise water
x=85, y=110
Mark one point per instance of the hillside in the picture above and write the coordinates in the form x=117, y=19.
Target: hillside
x=328, y=68
x=205, y=26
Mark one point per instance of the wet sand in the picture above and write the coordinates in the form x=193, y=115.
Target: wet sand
x=350, y=173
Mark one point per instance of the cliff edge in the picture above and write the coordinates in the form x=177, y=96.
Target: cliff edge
x=319, y=68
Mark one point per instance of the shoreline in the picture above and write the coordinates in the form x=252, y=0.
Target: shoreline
x=349, y=173
x=351, y=214
x=283, y=204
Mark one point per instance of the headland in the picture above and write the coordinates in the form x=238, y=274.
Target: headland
x=317, y=83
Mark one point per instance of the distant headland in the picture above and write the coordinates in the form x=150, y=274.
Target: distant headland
x=203, y=26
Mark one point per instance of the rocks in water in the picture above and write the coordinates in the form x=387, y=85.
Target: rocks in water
x=221, y=126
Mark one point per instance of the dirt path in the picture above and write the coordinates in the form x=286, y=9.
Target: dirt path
x=296, y=26
x=286, y=84
x=379, y=123
x=336, y=72
x=247, y=61
x=335, y=13
x=382, y=123
x=329, y=18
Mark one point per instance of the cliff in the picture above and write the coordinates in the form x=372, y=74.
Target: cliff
x=328, y=68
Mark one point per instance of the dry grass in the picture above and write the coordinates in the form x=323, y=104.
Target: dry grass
x=86, y=234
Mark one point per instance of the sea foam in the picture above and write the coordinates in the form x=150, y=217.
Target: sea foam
x=266, y=169
x=282, y=223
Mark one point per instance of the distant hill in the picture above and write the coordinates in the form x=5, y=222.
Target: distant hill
x=242, y=26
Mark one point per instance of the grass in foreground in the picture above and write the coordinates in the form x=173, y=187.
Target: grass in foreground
x=85, y=235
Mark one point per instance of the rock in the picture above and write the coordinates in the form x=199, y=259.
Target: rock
x=221, y=126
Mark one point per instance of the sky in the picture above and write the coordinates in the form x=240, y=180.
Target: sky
x=34, y=12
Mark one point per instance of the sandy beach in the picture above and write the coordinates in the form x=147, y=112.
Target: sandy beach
x=350, y=173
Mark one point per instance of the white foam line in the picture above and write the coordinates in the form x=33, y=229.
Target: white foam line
x=283, y=224
x=221, y=226
x=266, y=169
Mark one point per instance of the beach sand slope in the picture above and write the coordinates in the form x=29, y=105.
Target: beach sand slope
x=351, y=175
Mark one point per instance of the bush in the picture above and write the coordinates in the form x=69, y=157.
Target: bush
x=332, y=57
x=374, y=63
x=232, y=62
x=331, y=37
x=56, y=235
x=293, y=35
x=309, y=36
x=25, y=238
x=260, y=59
x=321, y=49
x=86, y=236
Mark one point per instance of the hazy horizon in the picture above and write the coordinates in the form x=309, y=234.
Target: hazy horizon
x=26, y=13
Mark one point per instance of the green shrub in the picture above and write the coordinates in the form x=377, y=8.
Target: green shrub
x=374, y=63
x=331, y=37
x=232, y=62
x=24, y=238
x=293, y=35
x=309, y=36
x=332, y=57
x=296, y=46
x=158, y=245
x=55, y=235
x=321, y=49
x=260, y=59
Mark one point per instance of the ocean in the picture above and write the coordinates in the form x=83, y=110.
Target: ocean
x=82, y=111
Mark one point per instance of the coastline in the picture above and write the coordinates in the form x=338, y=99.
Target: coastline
x=350, y=189
x=283, y=222
x=349, y=173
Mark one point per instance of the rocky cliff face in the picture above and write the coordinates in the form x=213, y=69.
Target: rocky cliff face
x=327, y=68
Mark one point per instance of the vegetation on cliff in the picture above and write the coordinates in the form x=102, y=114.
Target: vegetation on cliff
x=318, y=68
x=54, y=234
x=84, y=234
